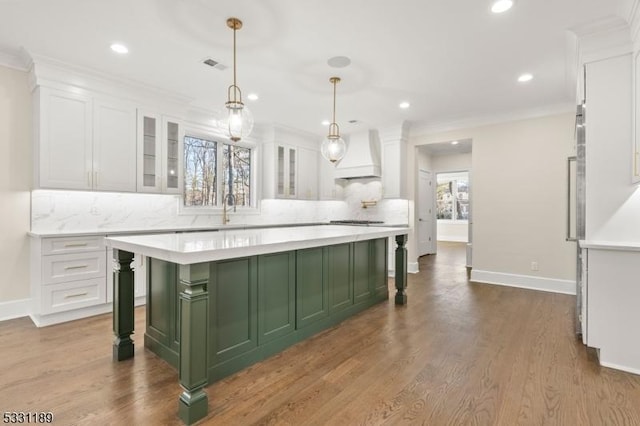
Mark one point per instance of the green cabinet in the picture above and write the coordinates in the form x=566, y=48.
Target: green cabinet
x=378, y=268
x=276, y=295
x=312, y=289
x=340, y=279
x=233, y=308
x=362, y=289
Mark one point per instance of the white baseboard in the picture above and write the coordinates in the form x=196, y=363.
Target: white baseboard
x=620, y=367
x=412, y=268
x=453, y=238
x=551, y=285
x=14, y=309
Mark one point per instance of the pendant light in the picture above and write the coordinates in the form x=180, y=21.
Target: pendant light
x=333, y=146
x=237, y=122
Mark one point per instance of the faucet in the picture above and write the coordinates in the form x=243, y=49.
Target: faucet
x=225, y=216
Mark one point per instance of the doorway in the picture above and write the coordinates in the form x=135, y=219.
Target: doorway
x=426, y=229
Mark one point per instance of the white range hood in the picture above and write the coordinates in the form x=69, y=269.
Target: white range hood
x=362, y=159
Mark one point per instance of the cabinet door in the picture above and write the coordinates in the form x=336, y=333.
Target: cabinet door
x=378, y=268
x=149, y=152
x=286, y=171
x=65, y=140
x=114, y=147
x=281, y=165
x=276, y=295
x=312, y=290
x=292, y=172
x=308, y=176
x=340, y=282
x=172, y=155
x=233, y=308
x=362, y=290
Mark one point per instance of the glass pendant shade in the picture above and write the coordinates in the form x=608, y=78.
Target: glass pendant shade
x=333, y=148
x=237, y=121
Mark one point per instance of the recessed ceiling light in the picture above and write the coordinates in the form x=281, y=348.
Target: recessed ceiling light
x=339, y=62
x=455, y=143
x=325, y=122
x=501, y=6
x=252, y=97
x=525, y=77
x=404, y=105
x=119, y=48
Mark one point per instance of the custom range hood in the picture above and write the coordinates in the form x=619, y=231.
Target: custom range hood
x=362, y=159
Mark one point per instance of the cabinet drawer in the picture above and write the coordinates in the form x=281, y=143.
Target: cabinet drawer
x=73, y=295
x=72, y=244
x=60, y=268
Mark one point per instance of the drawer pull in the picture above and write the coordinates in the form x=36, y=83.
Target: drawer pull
x=75, y=244
x=66, y=268
x=70, y=296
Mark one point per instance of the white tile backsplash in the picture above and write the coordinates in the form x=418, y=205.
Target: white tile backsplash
x=55, y=211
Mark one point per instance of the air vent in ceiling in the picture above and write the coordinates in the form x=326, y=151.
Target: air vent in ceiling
x=214, y=64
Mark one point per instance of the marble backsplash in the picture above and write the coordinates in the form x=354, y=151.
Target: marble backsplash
x=54, y=211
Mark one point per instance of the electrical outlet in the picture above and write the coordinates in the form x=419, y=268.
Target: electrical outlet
x=534, y=265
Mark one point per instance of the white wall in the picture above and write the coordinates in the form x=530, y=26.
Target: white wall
x=519, y=201
x=15, y=184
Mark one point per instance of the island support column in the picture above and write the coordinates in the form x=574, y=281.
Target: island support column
x=401, y=269
x=123, y=294
x=194, y=301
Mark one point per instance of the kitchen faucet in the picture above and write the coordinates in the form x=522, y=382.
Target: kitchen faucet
x=225, y=216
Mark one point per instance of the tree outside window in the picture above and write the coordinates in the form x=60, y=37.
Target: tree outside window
x=452, y=196
x=204, y=162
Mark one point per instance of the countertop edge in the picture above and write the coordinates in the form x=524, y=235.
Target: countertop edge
x=609, y=245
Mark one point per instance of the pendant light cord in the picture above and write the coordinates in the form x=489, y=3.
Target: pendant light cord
x=234, y=56
x=334, y=101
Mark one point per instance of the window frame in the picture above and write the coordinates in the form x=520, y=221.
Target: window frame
x=210, y=134
x=454, y=211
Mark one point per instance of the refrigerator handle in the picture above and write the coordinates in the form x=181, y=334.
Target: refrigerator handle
x=569, y=161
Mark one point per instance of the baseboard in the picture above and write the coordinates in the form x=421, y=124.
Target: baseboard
x=453, y=239
x=412, y=268
x=14, y=309
x=620, y=367
x=530, y=282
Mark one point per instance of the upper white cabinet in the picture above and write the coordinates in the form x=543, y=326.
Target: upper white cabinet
x=63, y=133
x=394, y=162
x=286, y=172
x=308, y=174
x=84, y=143
x=160, y=142
x=289, y=165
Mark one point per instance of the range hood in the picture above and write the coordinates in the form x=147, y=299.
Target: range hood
x=362, y=159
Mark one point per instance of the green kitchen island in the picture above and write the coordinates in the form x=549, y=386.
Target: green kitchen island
x=222, y=300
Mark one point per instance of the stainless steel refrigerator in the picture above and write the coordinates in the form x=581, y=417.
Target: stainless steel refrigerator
x=576, y=212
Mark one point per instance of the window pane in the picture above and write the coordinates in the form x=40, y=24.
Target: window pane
x=462, y=199
x=199, y=172
x=236, y=175
x=444, y=200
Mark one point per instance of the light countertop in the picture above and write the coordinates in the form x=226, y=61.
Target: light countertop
x=195, y=247
x=610, y=245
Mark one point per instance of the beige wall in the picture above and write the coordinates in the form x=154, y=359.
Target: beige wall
x=451, y=162
x=15, y=183
x=518, y=195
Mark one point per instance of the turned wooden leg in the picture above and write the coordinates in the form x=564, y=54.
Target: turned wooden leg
x=401, y=269
x=194, y=301
x=123, y=294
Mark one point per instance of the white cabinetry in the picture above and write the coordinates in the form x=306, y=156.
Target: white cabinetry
x=394, y=162
x=84, y=143
x=286, y=170
x=307, y=174
x=329, y=187
x=67, y=274
x=160, y=151
x=611, y=308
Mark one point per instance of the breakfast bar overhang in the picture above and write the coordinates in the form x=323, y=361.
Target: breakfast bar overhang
x=221, y=300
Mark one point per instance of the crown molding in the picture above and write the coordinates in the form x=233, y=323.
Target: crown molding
x=633, y=17
x=603, y=38
x=487, y=120
x=396, y=132
x=15, y=60
x=53, y=73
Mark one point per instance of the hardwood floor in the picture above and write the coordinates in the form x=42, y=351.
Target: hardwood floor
x=459, y=353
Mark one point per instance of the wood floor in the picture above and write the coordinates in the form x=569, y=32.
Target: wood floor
x=460, y=353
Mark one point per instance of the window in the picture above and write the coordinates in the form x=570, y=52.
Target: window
x=452, y=196
x=213, y=170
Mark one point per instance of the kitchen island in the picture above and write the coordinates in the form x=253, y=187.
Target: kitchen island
x=220, y=301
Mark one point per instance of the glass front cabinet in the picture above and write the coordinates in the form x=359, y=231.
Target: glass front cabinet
x=159, y=153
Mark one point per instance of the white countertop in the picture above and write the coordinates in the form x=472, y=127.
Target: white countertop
x=195, y=247
x=609, y=245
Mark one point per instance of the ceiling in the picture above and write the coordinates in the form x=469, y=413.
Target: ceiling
x=452, y=60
